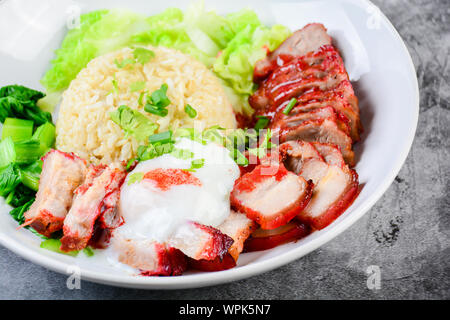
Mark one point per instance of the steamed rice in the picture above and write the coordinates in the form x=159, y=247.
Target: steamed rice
x=84, y=125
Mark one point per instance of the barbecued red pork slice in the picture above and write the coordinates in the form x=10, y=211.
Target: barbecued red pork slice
x=149, y=257
x=310, y=38
x=317, y=114
x=295, y=154
x=325, y=131
x=330, y=153
x=334, y=192
x=267, y=239
x=239, y=228
x=199, y=241
x=271, y=196
x=323, y=70
x=61, y=174
x=98, y=196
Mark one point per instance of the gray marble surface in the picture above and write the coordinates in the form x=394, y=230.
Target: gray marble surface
x=406, y=233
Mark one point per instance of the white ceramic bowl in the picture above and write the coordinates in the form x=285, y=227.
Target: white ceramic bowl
x=389, y=102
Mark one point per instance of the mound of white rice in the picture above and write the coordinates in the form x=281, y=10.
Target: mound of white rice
x=84, y=125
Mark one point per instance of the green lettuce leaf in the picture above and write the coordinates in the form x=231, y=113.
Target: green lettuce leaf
x=100, y=32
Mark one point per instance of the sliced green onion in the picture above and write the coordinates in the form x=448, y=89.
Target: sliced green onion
x=289, y=107
x=17, y=129
x=7, y=152
x=159, y=97
x=45, y=134
x=183, y=154
x=191, y=112
x=163, y=137
x=141, y=98
x=156, y=111
x=262, y=122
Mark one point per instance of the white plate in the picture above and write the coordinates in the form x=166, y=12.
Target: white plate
x=389, y=101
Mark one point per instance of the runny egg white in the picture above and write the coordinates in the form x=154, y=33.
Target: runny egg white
x=154, y=210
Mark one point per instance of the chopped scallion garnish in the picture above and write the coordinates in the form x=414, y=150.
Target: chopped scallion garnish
x=163, y=137
x=137, y=86
x=289, y=107
x=262, y=122
x=191, y=112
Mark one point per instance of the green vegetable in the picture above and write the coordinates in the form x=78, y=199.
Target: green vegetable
x=88, y=251
x=143, y=55
x=163, y=137
x=135, y=177
x=154, y=150
x=10, y=177
x=137, y=86
x=20, y=102
x=236, y=63
x=262, y=122
x=191, y=112
x=55, y=245
x=20, y=196
x=28, y=151
x=7, y=152
x=99, y=32
x=123, y=63
x=18, y=213
x=289, y=106
x=17, y=129
x=196, y=164
x=158, y=101
x=182, y=154
x=31, y=174
x=45, y=134
x=133, y=123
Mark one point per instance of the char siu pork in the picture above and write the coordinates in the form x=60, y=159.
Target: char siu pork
x=95, y=198
x=271, y=196
x=61, y=174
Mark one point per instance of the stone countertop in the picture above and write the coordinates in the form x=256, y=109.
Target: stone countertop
x=406, y=233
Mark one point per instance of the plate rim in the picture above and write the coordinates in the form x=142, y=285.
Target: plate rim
x=252, y=269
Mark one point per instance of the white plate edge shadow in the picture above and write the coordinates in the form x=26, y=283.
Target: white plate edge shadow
x=254, y=268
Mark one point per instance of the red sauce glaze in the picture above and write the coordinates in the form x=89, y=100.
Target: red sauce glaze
x=249, y=181
x=167, y=178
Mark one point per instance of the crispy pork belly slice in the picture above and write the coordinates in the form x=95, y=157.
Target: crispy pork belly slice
x=98, y=196
x=149, y=257
x=271, y=196
x=295, y=154
x=199, y=242
x=333, y=193
x=310, y=38
x=330, y=153
x=321, y=113
x=239, y=228
x=61, y=174
x=322, y=99
x=267, y=239
x=300, y=75
x=325, y=131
